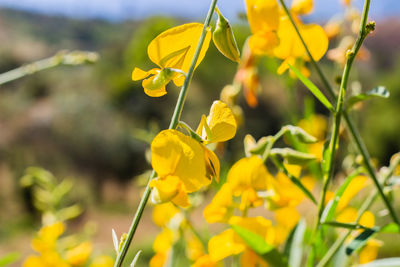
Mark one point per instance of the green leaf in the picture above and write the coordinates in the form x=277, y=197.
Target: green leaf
x=330, y=209
x=314, y=89
x=9, y=258
x=300, y=134
x=135, y=259
x=388, y=262
x=360, y=240
x=379, y=91
x=268, y=252
x=390, y=228
x=292, y=156
x=296, y=249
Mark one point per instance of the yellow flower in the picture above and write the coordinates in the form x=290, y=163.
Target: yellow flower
x=286, y=193
x=102, y=261
x=163, y=213
x=183, y=166
x=246, y=177
x=47, y=237
x=205, y=261
x=247, y=76
x=229, y=243
x=302, y=7
x=355, y=186
x=263, y=16
x=219, y=125
x=80, y=254
x=172, y=49
x=250, y=259
x=224, y=245
x=162, y=246
x=290, y=46
x=219, y=208
x=370, y=251
x=349, y=215
x=194, y=247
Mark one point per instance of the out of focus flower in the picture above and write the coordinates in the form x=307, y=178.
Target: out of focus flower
x=302, y=7
x=338, y=54
x=80, y=254
x=291, y=48
x=263, y=16
x=172, y=51
x=246, y=177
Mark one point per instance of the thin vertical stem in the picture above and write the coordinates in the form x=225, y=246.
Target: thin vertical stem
x=349, y=122
x=174, y=123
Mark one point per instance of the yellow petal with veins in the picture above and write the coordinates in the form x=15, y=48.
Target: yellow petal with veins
x=175, y=48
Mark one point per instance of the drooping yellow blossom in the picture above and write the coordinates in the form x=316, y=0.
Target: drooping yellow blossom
x=80, y=254
x=170, y=50
x=247, y=76
x=290, y=46
x=302, y=7
x=246, y=177
x=219, y=210
x=263, y=16
x=180, y=164
x=219, y=125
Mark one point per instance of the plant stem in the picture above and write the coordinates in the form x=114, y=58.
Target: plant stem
x=61, y=58
x=333, y=144
x=366, y=205
x=349, y=122
x=174, y=123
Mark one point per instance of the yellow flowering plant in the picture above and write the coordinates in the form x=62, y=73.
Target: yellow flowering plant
x=266, y=207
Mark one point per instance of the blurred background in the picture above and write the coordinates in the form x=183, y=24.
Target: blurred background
x=92, y=125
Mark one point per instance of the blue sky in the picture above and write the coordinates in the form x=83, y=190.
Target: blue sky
x=117, y=10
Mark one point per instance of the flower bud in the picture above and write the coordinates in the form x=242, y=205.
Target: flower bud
x=224, y=39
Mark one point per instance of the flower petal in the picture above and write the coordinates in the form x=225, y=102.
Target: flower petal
x=139, y=74
x=174, y=153
x=175, y=48
x=263, y=15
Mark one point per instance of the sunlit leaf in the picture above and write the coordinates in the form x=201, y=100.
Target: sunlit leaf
x=262, y=248
x=314, y=89
x=379, y=91
x=360, y=240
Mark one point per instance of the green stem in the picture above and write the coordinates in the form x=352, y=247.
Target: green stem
x=349, y=122
x=366, y=205
x=61, y=58
x=333, y=144
x=174, y=123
